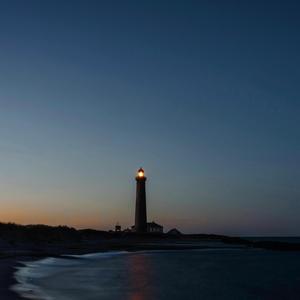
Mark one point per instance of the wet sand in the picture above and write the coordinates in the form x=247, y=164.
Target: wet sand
x=7, y=269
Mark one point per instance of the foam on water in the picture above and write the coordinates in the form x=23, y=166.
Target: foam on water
x=27, y=276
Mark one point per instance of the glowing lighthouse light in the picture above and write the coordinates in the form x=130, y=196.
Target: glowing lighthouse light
x=141, y=172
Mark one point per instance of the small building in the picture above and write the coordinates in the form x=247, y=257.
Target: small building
x=153, y=227
x=118, y=228
x=174, y=232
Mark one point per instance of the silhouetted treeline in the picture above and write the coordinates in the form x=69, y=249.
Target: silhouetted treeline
x=12, y=233
x=43, y=234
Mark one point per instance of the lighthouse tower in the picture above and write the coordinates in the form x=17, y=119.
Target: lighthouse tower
x=140, y=205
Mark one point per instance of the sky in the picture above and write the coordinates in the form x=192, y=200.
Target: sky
x=204, y=95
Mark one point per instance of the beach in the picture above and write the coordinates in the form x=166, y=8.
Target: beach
x=16, y=257
x=7, y=269
x=208, y=273
x=13, y=257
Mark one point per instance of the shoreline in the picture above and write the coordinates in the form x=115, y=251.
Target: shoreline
x=10, y=263
x=7, y=279
x=12, y=259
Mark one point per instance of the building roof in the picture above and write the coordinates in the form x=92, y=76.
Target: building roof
x=174, y=231
x=153, y=224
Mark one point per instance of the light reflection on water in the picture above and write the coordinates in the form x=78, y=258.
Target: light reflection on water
x=139, y=269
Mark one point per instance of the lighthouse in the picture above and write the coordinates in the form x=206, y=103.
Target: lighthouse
x=140, y=205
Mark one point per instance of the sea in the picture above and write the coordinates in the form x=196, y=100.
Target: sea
x=163, y=275
x=282, y=239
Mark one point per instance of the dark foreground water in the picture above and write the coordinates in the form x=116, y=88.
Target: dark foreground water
x=283, y=239
x=202, y=274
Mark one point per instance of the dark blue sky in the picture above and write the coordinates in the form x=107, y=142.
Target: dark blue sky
x=205, y=95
